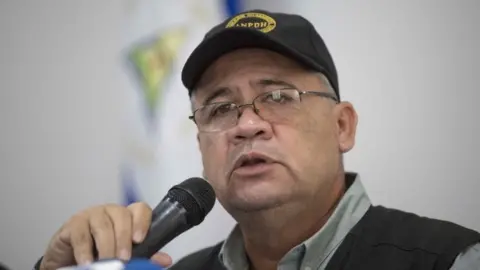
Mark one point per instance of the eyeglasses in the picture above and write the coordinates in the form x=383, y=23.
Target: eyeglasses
x=274, y=106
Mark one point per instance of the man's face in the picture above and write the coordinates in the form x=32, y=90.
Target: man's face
x=258, y=164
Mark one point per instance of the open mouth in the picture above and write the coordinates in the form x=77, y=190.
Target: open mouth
x=252, y=162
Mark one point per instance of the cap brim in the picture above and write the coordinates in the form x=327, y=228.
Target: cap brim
x=232, y=39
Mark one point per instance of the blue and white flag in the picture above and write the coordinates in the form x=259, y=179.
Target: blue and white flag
x=160, y=141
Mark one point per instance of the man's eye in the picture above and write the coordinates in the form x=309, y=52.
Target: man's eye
x=279, y=97
x=221, y=109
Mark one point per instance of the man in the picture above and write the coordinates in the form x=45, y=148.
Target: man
x=272, y=131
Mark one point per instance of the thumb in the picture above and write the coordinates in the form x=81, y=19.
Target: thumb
x=162, y=258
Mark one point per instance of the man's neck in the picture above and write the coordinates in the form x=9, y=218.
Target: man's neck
x=269, y=235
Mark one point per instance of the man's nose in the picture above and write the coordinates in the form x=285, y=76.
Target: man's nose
x=250, y=125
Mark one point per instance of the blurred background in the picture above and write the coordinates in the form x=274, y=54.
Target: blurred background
x=92, y=109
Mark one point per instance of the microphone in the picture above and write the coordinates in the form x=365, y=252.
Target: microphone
x=184, y=207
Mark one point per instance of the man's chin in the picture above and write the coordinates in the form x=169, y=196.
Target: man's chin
x=255, y=203
x=258, y=195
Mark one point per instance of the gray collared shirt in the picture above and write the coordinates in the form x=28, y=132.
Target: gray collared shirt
x=316, y=252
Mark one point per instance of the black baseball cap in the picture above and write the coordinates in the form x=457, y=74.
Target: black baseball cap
x=288, y=34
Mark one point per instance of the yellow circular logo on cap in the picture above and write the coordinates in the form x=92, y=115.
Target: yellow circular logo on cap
x=259, y=21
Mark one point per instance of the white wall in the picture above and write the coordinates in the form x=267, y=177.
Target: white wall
x=410, y=69
x=60, y=116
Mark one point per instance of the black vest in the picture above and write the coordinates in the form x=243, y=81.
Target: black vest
x=383, y=239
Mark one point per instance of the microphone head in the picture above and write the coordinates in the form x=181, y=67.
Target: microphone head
x=195, y=195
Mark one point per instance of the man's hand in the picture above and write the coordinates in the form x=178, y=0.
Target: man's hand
x=111, y=229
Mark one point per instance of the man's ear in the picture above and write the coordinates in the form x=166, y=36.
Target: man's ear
x=347, y=120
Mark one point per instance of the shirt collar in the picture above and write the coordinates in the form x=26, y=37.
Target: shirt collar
x=232, y=254
x=321, y=246
x=351, y=208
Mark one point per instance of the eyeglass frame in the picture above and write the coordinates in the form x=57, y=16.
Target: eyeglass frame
x=255, y=109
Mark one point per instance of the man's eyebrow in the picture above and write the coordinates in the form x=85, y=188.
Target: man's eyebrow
x=274, y=82
x=226, y=91
x=219, y=92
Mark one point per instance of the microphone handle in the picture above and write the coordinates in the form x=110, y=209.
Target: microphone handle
x=168, y=221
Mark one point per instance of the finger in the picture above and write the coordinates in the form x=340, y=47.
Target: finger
x=81, y=240
x=122, y=226
x=162, y=259
x=101, y=228
x=141, y=218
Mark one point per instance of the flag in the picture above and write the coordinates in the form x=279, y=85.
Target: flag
x=160, y=147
